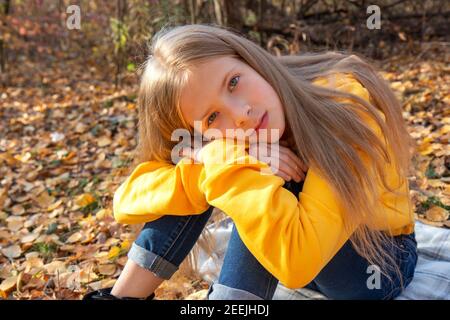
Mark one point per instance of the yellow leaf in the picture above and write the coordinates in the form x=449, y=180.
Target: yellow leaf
x=125, y=245
x=447, y=190
x=444, y=130
x=436, y=214
x=113, y=252
x=3, y=295
x=425, y=147
x=54, y=205
x=84, y=199
x=24, y=157
x=103, y=213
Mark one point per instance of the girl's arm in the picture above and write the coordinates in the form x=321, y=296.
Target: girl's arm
x=292, y=239
x=155, y=189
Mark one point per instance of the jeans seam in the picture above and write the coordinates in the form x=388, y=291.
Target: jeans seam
x=178, y=234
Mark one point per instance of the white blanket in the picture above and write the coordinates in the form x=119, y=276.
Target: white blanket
x=431, y=278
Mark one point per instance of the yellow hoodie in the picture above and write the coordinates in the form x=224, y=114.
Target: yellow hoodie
x=293, y=239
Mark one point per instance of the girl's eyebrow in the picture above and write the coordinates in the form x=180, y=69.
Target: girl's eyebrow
x=224, y=83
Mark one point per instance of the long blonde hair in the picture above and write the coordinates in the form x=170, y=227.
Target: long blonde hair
x=328, y=134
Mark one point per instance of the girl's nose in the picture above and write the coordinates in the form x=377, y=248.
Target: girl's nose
x=242, y=116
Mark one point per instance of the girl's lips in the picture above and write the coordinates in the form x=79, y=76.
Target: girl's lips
x=263, y=123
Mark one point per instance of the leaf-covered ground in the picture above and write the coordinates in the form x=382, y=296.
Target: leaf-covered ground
x=66, y=139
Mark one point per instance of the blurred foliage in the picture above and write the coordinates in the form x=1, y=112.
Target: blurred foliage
x=115, y=33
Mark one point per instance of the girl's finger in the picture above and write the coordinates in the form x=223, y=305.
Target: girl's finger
x=286, y=165
x=281, y=174
x=285, y=168
x=290, y=167
x=295, y=159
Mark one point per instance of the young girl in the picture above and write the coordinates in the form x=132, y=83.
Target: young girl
x=335, y=214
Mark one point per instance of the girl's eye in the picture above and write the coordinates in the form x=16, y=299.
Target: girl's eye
x=211, y=118
x=234, y=83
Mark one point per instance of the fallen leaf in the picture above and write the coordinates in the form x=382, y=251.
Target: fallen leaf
x=8, y=284
x=107, y=269
x=29, y=237
x=18, y=210
x=54, y=205
x=55, y=267
x=77, y=236
x=113, y=252
x=84, y=199
x=12, y=252
x=103, y=141
x=103, y=213
x=44, y=200
x=436, y=214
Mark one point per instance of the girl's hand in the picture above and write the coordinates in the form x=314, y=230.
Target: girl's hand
x=289, y=164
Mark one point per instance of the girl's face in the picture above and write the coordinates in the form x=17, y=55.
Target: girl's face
x=225, y=93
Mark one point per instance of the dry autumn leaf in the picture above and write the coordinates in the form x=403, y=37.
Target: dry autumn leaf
x=29, y=237
x=84, y=199
x=8, y=284
x=107, y=269
x=103, y=141
x=103, y=213
x=437, y=214
x=12, y=252
x=113, y=252
x=77, y=236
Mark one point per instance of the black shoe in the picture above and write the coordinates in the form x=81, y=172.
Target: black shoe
x=105, y=294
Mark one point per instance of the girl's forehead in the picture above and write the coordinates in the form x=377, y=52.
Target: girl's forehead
x=205, y=81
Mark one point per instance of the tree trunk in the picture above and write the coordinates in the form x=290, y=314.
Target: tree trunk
x=120, y=58
x=4, y=11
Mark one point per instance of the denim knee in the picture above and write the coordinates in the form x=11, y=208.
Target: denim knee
x=163, y=244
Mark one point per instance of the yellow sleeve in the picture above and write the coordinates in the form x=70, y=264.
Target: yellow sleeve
x=155, y=189
x=292, y=239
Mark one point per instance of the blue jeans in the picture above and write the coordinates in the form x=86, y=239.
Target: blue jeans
x=164, y=243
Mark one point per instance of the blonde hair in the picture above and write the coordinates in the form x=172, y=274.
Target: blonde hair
x=328, y=134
